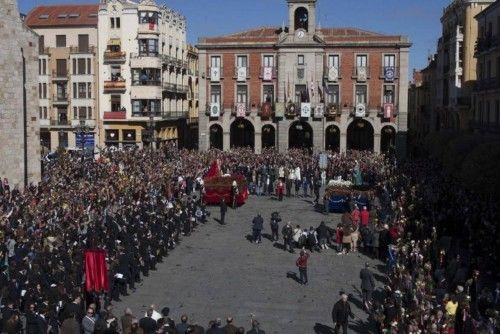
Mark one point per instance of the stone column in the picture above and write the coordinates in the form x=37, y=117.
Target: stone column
x=258, y=141
x=376, y=143
x=343, y=142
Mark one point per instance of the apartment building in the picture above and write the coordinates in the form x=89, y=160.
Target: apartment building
x=299, y=86
x=486, y=113
x=67, y=75
x=143, y=74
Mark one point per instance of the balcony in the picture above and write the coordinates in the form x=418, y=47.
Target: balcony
x=44, y=51
x=82, y=50
x=486, y=44
x=153, y=113
x=147, y=82
x=90, y=123
x=174, y=88
x=60, y=123
x=389, y=73
x=487, y=84
x=148, y=28
x=241, y=73
x=175, y=114
x=59, y=75
x=144, y=54
x=114, y=57
x=115, y=115
x=115, y=86
x=361, y=73
x=44, y=123
x=60, y=99
x=332, y=73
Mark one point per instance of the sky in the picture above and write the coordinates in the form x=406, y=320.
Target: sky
x=417, y=19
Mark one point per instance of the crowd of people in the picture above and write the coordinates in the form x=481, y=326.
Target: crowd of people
x=438, y=240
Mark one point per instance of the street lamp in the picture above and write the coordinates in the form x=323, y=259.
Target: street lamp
x=81, y=130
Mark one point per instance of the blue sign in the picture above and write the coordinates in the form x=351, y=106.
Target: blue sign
x=88, y=142
x=389, y=73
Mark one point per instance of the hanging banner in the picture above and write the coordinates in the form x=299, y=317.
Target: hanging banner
x=242, y=74
x=333, y=73
x=241, y=109
x=266, y=110
x=362, y=73
x=215, y=74
x=96, y=272
x=388, y=110
x=319, y=110
x=214, y=109
x=360, y=110
x=305, y=110
x=279, y=110
x=268, y=73
x=389, y=73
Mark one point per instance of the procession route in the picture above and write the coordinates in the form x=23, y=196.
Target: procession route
x=217, y=272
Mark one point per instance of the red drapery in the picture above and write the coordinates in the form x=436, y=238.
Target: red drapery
x=96, y=272
x=214, y=171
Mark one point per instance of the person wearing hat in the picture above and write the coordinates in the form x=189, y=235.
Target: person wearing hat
x=341, y=313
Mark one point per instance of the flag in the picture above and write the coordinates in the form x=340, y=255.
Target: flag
x=312, y=87
x=96, y=272
x=320, y=92
x=325, y=87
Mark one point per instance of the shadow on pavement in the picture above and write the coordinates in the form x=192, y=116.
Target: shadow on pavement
x=323, y=329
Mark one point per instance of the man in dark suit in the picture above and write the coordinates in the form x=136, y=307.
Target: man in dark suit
x=367, y=285
x=223, y=209
x=230, y=328
x=31, y=320
x=148, y=324
x=43, y=325
x=257, y=227
x=341, y=313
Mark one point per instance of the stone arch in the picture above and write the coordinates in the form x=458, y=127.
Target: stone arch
x=300, y=135
x=332, y=137
x=268, y=135
x=360, y=135
x=242, y=133
x=301, y=18
x=216, y=135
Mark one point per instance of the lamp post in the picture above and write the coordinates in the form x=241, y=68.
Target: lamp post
x=81, y=131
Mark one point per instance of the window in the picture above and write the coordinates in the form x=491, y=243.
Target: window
x=74, y=66
x=389, y=60
x=116, y=72
x=148, y=17
x=333, y=61
x=75, y=112
x=215, y=94
x=39, y=67
x=300, y=60
x=89, y=66
x=361, y=94
x=41, y=44
x=89, y=113
x=89, y=90
x=332, y=95
x=301, y=94
x=146, y=76
x=241, y=94
x=146, y=108
x=148, y=47
x=268, y=95
x=43, y=112
x=39, y=90
x=117, y=20
x=128, y=135
x=111, y=135
x=215, y=61
x=81, y=66
x=116, y=103
x=75, y=91
x=44, y=66
x=82, y=90
x=268, y=61
x=361, y=60
x=241, y=61
x=61, y=41
x=61, y=67
x=83, y=43
x=112, y=22
x=389, y=94
x=62, y=92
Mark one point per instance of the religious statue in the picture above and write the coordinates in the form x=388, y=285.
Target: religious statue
x=357, y=177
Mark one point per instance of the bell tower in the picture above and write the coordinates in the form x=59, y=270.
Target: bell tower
x=302, y=15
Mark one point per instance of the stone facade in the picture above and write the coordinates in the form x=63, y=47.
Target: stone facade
x=19, y=130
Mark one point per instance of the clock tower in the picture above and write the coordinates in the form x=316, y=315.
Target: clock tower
x=302, y=16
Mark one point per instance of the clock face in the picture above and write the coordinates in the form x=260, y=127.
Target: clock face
x=300, y=33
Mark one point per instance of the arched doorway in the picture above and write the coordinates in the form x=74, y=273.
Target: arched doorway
x=360, y=136
x=387, y=140
x=332, y=138
x=268, y=136
x=242, y=133
x=300, y=135
x=216, y=136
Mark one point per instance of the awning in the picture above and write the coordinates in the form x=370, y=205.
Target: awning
x=115, y=41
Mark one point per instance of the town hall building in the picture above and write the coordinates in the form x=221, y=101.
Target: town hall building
x=301, y=86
